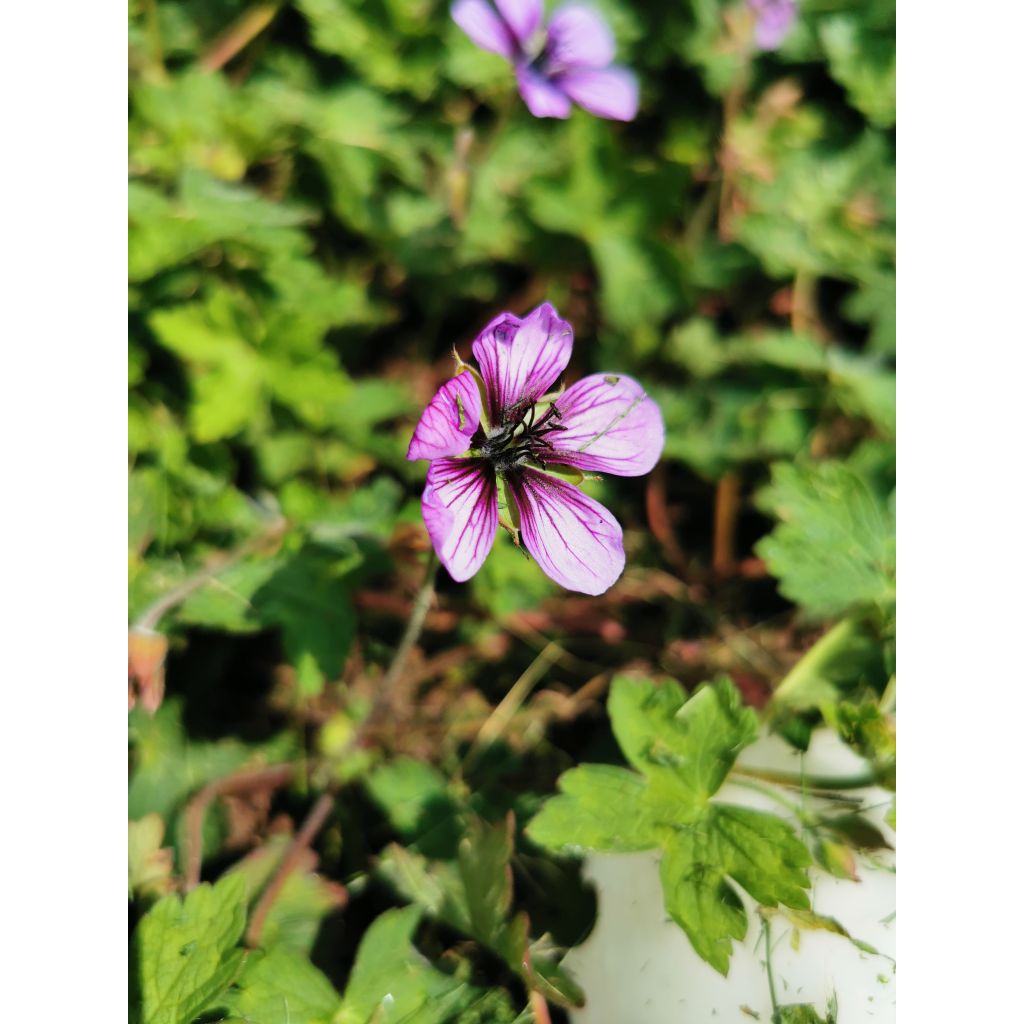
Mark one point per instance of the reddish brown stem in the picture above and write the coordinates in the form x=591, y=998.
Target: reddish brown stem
x=660, y=522
x=289, y=862
x=727, y=505
x=231, y=785
x=541, y=1013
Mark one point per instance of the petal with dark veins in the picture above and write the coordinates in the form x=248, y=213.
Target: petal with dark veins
x=610, y=426
x=521, y=359
x=573, y=538
x=460, y=511
x=449, y=422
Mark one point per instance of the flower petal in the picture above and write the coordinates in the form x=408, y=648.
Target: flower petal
x=542, y=98
x=449, y=422
x=481, y=23
x=460, y=511
x=575, y=540
x=611, y=426
x=578, y=37
x=611, y=93
x=522, y=16
x=774, y=20
x=521, y=359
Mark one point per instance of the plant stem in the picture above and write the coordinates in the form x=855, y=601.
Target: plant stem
x=804, y=312
x=313, y=823
x=808, y=680
x=242, y=31
x=822, y=783
x=541, y=1013
x=727, y=505
x=500, y=717
x=768, y=966
x=156, y=51
x=249, y=781
x=795, y=809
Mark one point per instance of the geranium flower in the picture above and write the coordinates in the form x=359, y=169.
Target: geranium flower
x=774, y=19
x=503, y=449
x=569, y=60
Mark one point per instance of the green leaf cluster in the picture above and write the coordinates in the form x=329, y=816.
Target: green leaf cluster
x=473, y=894
x=680, y=752
x=323, y=198
x=186, y=963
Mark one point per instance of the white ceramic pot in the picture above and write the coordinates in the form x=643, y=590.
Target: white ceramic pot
x=637, y=967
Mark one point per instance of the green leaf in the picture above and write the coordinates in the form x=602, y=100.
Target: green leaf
x=392, y=982
x=418, y=804
x=725, y=423
x=684, y=750
x=282, y=987
x=862, y=58
x=150, y=866
x=166, y=766
x=763, y=854
x=305, y=899
x=601, y=807
x=807, y=919
x=800, y=1013
x=473, y=894
x=226, y=374
x=310, y=600
x=483, y=861
x=183, y=955
x=225, y=602
x=834, y=547
x=759, y=851
x=871, y=733
x=845, y=660
x=697, y=739
x=700, y=900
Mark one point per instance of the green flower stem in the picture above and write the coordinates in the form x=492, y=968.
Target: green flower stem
x=806, y=681
x=768, y=965
x=804, y=781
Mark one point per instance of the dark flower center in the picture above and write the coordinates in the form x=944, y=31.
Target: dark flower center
x=521, y=438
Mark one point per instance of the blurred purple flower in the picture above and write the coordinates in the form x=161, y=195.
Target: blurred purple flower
x=774, y=19
x=497, y=431
x=569, y=60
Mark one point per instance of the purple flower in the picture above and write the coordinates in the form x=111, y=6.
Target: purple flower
x=774, y=19
x=498, y=441
x=568, y=61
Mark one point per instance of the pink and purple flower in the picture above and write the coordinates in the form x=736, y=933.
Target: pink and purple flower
x=505, y=449
x=774, y=20
x=567, y=61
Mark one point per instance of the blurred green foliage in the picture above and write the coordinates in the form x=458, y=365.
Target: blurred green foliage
x=324, y=197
